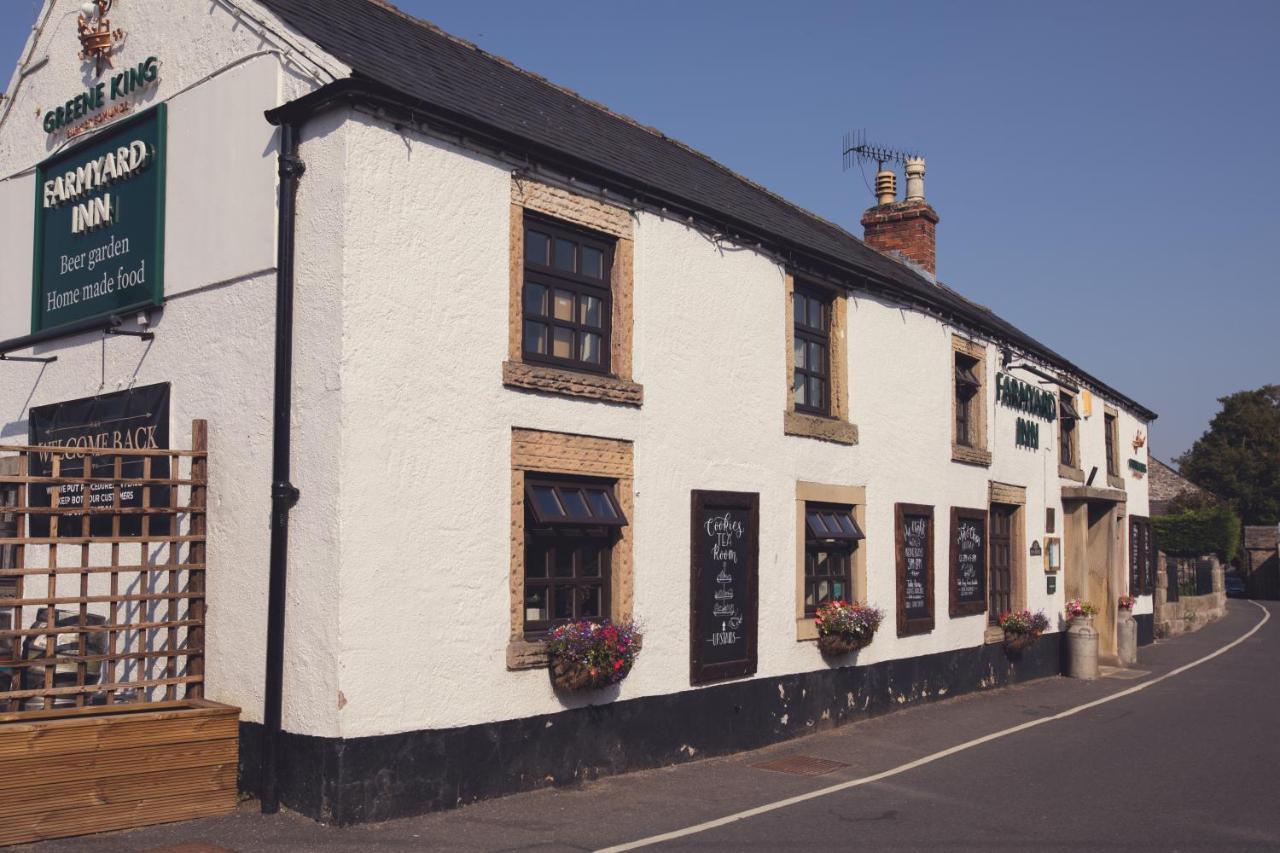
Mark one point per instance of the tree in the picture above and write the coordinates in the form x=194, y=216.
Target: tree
x=1238, y=457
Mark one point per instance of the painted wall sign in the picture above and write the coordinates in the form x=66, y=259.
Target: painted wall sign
x=84, y=104
x=99, y=235
x=1027, y=434
x=968, y=561
x=913, y=537
x=1016, y=394
x=724, y=597
x=137, y=419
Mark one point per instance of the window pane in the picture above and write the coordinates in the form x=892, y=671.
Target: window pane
x=575, y=505
x=545, y=502
x=589, y=311
x=535, y=338
x=535, y=604
x=562, y=561
x=815, y=522
x=846, y=524
x=601, y=507
x=815, y=392
x=590, y=348
x=797, y=307
x=815, y=314
x=590, y=567
x=589, y=602
x=564, y=255
x=822, y=565
x=824, y=592
x=562, y=346
x=817, y=358
x=592, y=262
x=809, y=567
x=536, y=246
x=563, y=603
x=800, y=350
x=535, y=562
x=837, y=590
x=564, y=305
x=809, y=601
x=799, y=387
x=535, y=299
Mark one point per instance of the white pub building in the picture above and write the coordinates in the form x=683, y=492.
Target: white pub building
x=478, y=358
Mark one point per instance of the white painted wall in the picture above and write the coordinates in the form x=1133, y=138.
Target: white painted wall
x=398, y=592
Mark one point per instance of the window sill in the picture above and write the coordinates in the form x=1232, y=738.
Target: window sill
x=970, y=455
x=821, y=428
x=994, y=634
x=806, y=629
x=526, y=654
x=571, y=383
x=1115, y=482
x=1066, y=472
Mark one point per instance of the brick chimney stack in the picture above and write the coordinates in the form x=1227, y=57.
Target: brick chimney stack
x=908, y=227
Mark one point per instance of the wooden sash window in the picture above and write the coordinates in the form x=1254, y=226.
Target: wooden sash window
x=1113, y=466
x=967, y=387
x=567, y=301
x=570, y=530
x=811, y=314
x=1067, y=419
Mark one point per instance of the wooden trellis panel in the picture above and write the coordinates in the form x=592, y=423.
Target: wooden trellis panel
x=120, y=569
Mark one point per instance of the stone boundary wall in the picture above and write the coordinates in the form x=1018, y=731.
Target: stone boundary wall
x=1190, y=612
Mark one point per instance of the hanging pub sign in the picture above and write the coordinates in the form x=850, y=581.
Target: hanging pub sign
x=724, y=590
x=968, y=561
x=137, y=419
x=99, y=225
x=913, y=537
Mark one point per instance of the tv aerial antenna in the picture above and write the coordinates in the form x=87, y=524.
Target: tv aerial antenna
x=858, y=151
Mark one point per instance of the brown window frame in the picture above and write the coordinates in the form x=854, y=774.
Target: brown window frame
x=839, y=547
x=544, y=537
x=803, y=332
x=548, y=276
x=1109, y=426
x=1142, y=556
x=968, y=388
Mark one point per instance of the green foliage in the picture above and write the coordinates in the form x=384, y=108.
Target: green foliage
x=1238, y=458
x=1212, y=530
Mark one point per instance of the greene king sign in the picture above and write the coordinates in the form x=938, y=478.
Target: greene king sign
x=99, y=246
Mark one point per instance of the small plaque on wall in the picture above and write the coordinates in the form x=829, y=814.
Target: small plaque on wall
x=968, y=562
x=913, y=536
x=724, y=585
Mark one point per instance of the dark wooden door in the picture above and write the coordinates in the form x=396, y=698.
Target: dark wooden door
x=1000, y=538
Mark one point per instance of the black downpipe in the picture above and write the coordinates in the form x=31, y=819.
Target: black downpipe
x=283, y=493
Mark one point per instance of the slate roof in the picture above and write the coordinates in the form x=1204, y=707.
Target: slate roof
x=437, y=71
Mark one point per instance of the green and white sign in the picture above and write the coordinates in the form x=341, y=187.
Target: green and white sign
x=99, y=247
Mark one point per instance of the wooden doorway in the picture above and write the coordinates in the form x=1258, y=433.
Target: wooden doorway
x=1000, y=538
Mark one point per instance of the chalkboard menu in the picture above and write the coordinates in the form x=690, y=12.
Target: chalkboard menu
x=914, y=539
x=968, y=561
x=724, y=586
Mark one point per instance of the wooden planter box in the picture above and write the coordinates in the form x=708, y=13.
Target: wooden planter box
x=74, y=772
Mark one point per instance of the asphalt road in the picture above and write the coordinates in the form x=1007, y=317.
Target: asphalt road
x=1190, y=760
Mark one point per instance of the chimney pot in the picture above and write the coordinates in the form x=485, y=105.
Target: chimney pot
x=915, y=179
x=886, y=186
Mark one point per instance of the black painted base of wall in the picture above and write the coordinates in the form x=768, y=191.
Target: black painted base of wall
x=376, y=778
x=1146, y=628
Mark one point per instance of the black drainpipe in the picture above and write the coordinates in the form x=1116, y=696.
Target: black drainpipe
x=283, y=493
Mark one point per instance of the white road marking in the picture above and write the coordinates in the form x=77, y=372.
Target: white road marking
x=929, y=759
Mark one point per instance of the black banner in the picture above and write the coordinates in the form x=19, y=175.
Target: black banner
x=724, y=601
x=137, y=419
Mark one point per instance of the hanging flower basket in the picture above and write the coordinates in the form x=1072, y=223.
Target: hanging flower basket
x=591, y=655
x=844, y=627
x=1022, y=629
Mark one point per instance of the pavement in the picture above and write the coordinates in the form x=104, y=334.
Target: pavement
x=1177, y=753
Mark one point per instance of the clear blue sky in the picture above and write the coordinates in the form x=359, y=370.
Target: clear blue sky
x=1106, y=172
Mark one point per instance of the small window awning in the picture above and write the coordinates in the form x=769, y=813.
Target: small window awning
x=581, y=504
x=1067, y=409
x=965, y=377
x=833, y=524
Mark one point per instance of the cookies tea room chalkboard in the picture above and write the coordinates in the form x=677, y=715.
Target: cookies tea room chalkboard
x=913, y=536
x=968, y=538
x=724, y=588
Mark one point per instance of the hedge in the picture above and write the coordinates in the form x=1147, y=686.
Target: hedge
x=1212, y=530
